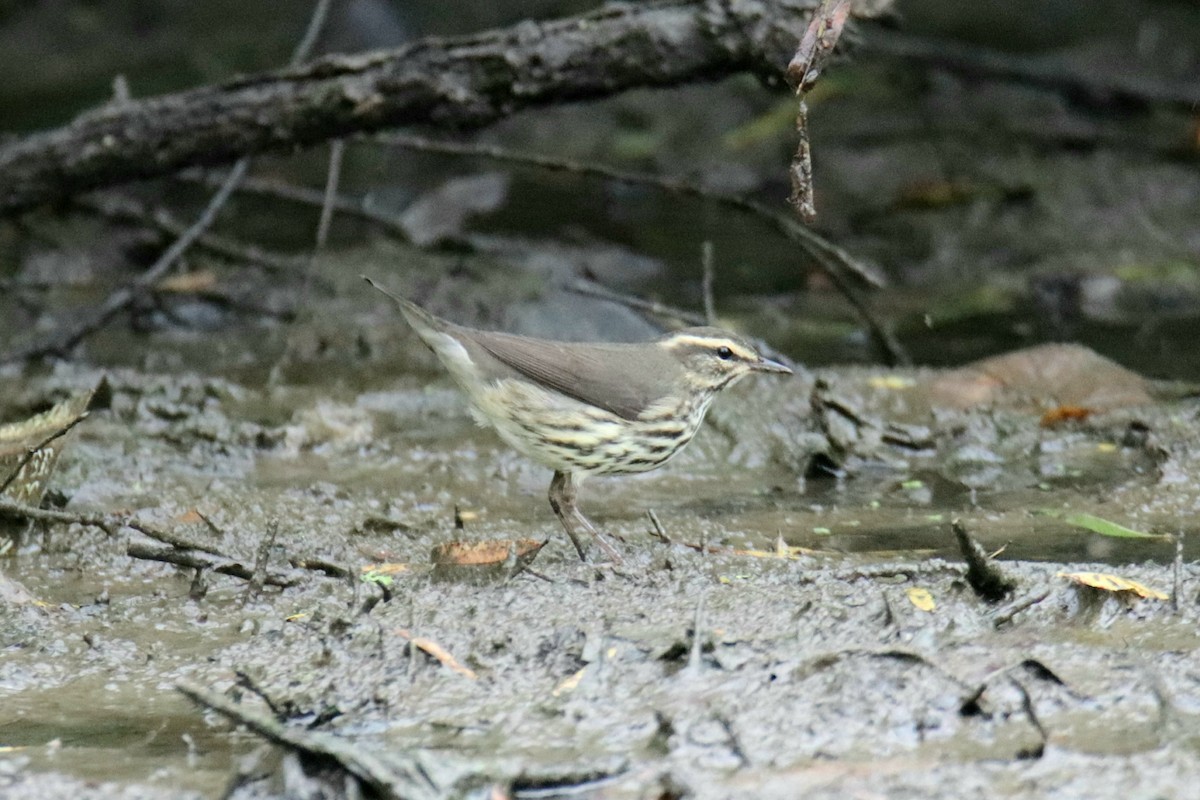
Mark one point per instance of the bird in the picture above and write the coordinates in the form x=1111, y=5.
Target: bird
x=588, y=408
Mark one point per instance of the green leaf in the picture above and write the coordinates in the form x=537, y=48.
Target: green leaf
x=1104, y=527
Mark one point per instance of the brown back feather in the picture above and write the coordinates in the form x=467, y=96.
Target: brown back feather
x=622, y=378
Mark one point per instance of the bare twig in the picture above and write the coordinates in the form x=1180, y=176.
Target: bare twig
x=192, y=554
x=802, y=198
x=281, y=190
x=456, y=83
x=61, y=344
x=816, y=45
x=829, y=256
x=1005, y=615
x=124, y=209
x=334, y=175
x=394, y=776
x=836, y=263
x=593, y=289
x=323, y=566
x=316, y=24
x=200, y=561
x=706, y=282
x=657, y=527
x=262, y=557
x=37, y=448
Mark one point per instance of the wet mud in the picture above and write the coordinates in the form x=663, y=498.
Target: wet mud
x=798, y=623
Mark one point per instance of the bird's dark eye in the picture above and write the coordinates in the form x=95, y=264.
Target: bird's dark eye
x=724, y=353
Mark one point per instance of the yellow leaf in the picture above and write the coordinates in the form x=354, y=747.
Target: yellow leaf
x=921, y=598
x=1112, y=583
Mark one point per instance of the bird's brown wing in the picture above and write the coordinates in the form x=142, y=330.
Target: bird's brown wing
x=621, y=378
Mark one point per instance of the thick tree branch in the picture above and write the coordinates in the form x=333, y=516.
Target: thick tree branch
x=461, y=83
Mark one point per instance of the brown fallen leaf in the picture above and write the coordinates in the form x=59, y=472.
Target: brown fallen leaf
x=437, y=651
x=1060, y=414
x=489, y=557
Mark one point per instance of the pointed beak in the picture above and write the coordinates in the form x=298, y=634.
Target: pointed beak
x=767, y=365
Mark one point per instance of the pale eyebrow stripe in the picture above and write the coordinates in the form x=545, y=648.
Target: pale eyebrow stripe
x=712, y=344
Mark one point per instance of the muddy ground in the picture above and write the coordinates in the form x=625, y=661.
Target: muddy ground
x=860, y=665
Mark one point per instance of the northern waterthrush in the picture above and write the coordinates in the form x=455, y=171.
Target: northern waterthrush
x=589, y=409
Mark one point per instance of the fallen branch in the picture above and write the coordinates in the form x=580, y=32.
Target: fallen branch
x=451, y=83
x=393, y=775
x=60, y=344
x=180, y=550
x=200, y=561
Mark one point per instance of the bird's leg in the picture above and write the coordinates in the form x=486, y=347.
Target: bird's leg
x=562, y=500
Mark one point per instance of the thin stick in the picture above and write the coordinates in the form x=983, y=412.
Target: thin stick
x=659, y=531
x=122, y=298
x=706, y=282
x=33, y=451
x=262, y=558
x=118, y=301
x=303, y=195
x=316, y=23
x=193, y=560
x=1177, y=583
x=592, y=289
x=694, y=653
x=832, y=260
x=123, y=209
x=336, y=150
x=400, y=774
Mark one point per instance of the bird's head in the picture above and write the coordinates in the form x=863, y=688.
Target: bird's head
x=713, y=359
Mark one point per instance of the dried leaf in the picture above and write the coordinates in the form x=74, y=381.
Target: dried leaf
x=1112, y=583
x=1061, y=414
x=437, y=651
